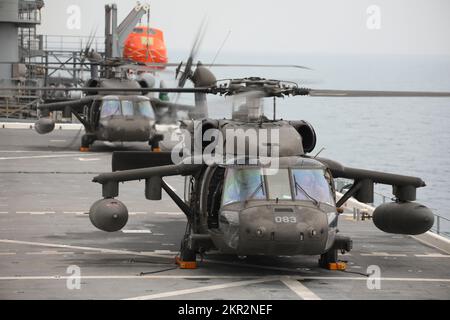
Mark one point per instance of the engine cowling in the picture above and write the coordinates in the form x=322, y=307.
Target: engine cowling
x=108, y=215
x=306, y=131
x=44, y=125
x=147, y=80
x=403, y=218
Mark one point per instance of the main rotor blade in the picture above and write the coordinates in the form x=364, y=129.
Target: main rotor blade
x=369, y=93
x=231, y=65
x=224, y=90
x=142, y=66
x=256, y=65
x=145, y=68
x=137, y=90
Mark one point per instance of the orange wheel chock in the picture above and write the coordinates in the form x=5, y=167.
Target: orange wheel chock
x=185, y=264
x=340, y=265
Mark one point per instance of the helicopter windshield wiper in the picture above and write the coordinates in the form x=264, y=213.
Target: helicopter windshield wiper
x=115, y=113
x=299, y=187
x=258, y=187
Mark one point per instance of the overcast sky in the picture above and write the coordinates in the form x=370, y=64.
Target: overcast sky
x=274, y=26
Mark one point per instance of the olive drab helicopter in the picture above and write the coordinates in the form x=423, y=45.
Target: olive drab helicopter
x=115, y=116
x=237, y=202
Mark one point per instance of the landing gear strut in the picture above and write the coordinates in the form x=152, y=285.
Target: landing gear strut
x=154, y=141
x=86, y=141
x=188, y=257
x=329, y=260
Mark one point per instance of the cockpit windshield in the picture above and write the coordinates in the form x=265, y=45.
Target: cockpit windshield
x=278, y=185
x=311, y=184
x=244, y=184
x=128, y=107
x=145, y=109
x=110, y=108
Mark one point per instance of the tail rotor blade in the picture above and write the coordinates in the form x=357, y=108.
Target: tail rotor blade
x=187, y=72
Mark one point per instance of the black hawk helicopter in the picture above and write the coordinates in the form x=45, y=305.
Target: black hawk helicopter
x=237, y=203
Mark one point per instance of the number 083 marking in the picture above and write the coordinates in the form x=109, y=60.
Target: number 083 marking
x=285, y=219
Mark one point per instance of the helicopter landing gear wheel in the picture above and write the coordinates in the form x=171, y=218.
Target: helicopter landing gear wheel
x=154, y=142
x=188, y=255
x=155, y=148
x=86, y=141
x=327, y=258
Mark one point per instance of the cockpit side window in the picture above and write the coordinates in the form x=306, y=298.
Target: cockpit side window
x=330, y=180
x=110, y=108
x=214, y=197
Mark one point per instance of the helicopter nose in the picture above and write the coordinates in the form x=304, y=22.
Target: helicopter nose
x=283, y=230
x=127, y=130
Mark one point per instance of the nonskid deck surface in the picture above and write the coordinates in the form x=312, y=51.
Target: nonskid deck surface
x=46, y=238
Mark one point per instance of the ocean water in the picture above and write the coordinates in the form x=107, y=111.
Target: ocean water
x=408, y=136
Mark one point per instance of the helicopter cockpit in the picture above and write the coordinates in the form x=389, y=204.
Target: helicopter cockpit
x=246, y=204
x=125, y=118
x=245, y=184
x=127, y=106
x=299, y=182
